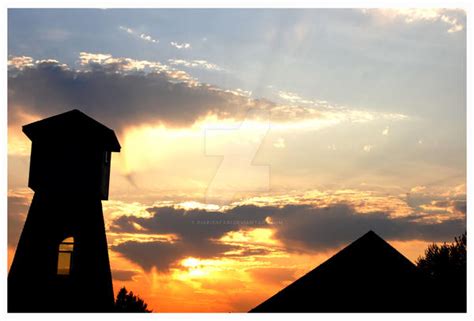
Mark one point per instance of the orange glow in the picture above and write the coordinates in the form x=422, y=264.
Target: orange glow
x=190, y=262
x=257, y=236
x=11, y=255
x=18, y=143
x=228, y=285
x=233, y=282
x=411, y=249
x=215, y=285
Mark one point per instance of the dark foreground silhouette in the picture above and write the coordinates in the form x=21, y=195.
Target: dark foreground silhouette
x=61, y=263
x=128, y=302
x=369, y=275
x=446, y=267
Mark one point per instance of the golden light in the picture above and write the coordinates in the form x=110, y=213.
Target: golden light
x=18, y=143
x=254, y=237
x=191, y=205
x=190, y=262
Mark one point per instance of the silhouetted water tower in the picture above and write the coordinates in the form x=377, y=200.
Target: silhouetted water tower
x=61, y=262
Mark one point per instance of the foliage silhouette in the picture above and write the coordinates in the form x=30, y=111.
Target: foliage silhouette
x=128, y=302
x=446, y=265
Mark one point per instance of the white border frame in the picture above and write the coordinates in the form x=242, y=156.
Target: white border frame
x=466, y=5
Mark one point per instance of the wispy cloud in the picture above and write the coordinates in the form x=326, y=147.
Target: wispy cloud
x=410, y=15
x=183, y=45
x=297, y=99
x=239, y=92
x=293, y=97
x=128, y=30
x=139, y=35
x=203, y=64
x=148, y=38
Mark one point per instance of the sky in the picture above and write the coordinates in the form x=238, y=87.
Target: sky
x=256, y=143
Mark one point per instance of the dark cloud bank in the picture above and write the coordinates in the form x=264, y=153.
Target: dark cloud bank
x=119, y=99
x=301, y=228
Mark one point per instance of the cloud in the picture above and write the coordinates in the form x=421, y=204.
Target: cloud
x=438, y=210
x=108, y=63
x=183, y=45
x=164, y=255
x=202, y=64
x=124, y=275
x=418, y=189
x=451, y=17
x=20, y=62
x=148, y=38
x=239, y=92
x=127, y=30
x=298, y=228
x=120, y=92
x=294, y=98
x=162, y=236
x=123, y=92
x=198, y=232
x=460, y=206
x=363, y=202
x=386, y=131
x=139, y=35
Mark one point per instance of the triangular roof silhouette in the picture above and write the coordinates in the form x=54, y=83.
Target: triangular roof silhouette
x=369, y=275
x=73, y=127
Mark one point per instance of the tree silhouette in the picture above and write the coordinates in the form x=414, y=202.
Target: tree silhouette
x=128, y=302
x=446, y=266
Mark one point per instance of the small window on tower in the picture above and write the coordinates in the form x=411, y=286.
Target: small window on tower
x=65, y=254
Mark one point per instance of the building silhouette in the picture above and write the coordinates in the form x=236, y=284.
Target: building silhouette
x=369, y=275
x=61, y=262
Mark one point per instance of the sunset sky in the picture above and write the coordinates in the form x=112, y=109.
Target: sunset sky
x=255, y=143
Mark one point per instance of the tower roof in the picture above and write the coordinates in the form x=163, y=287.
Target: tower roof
x=70, y=127
x=368, y=275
